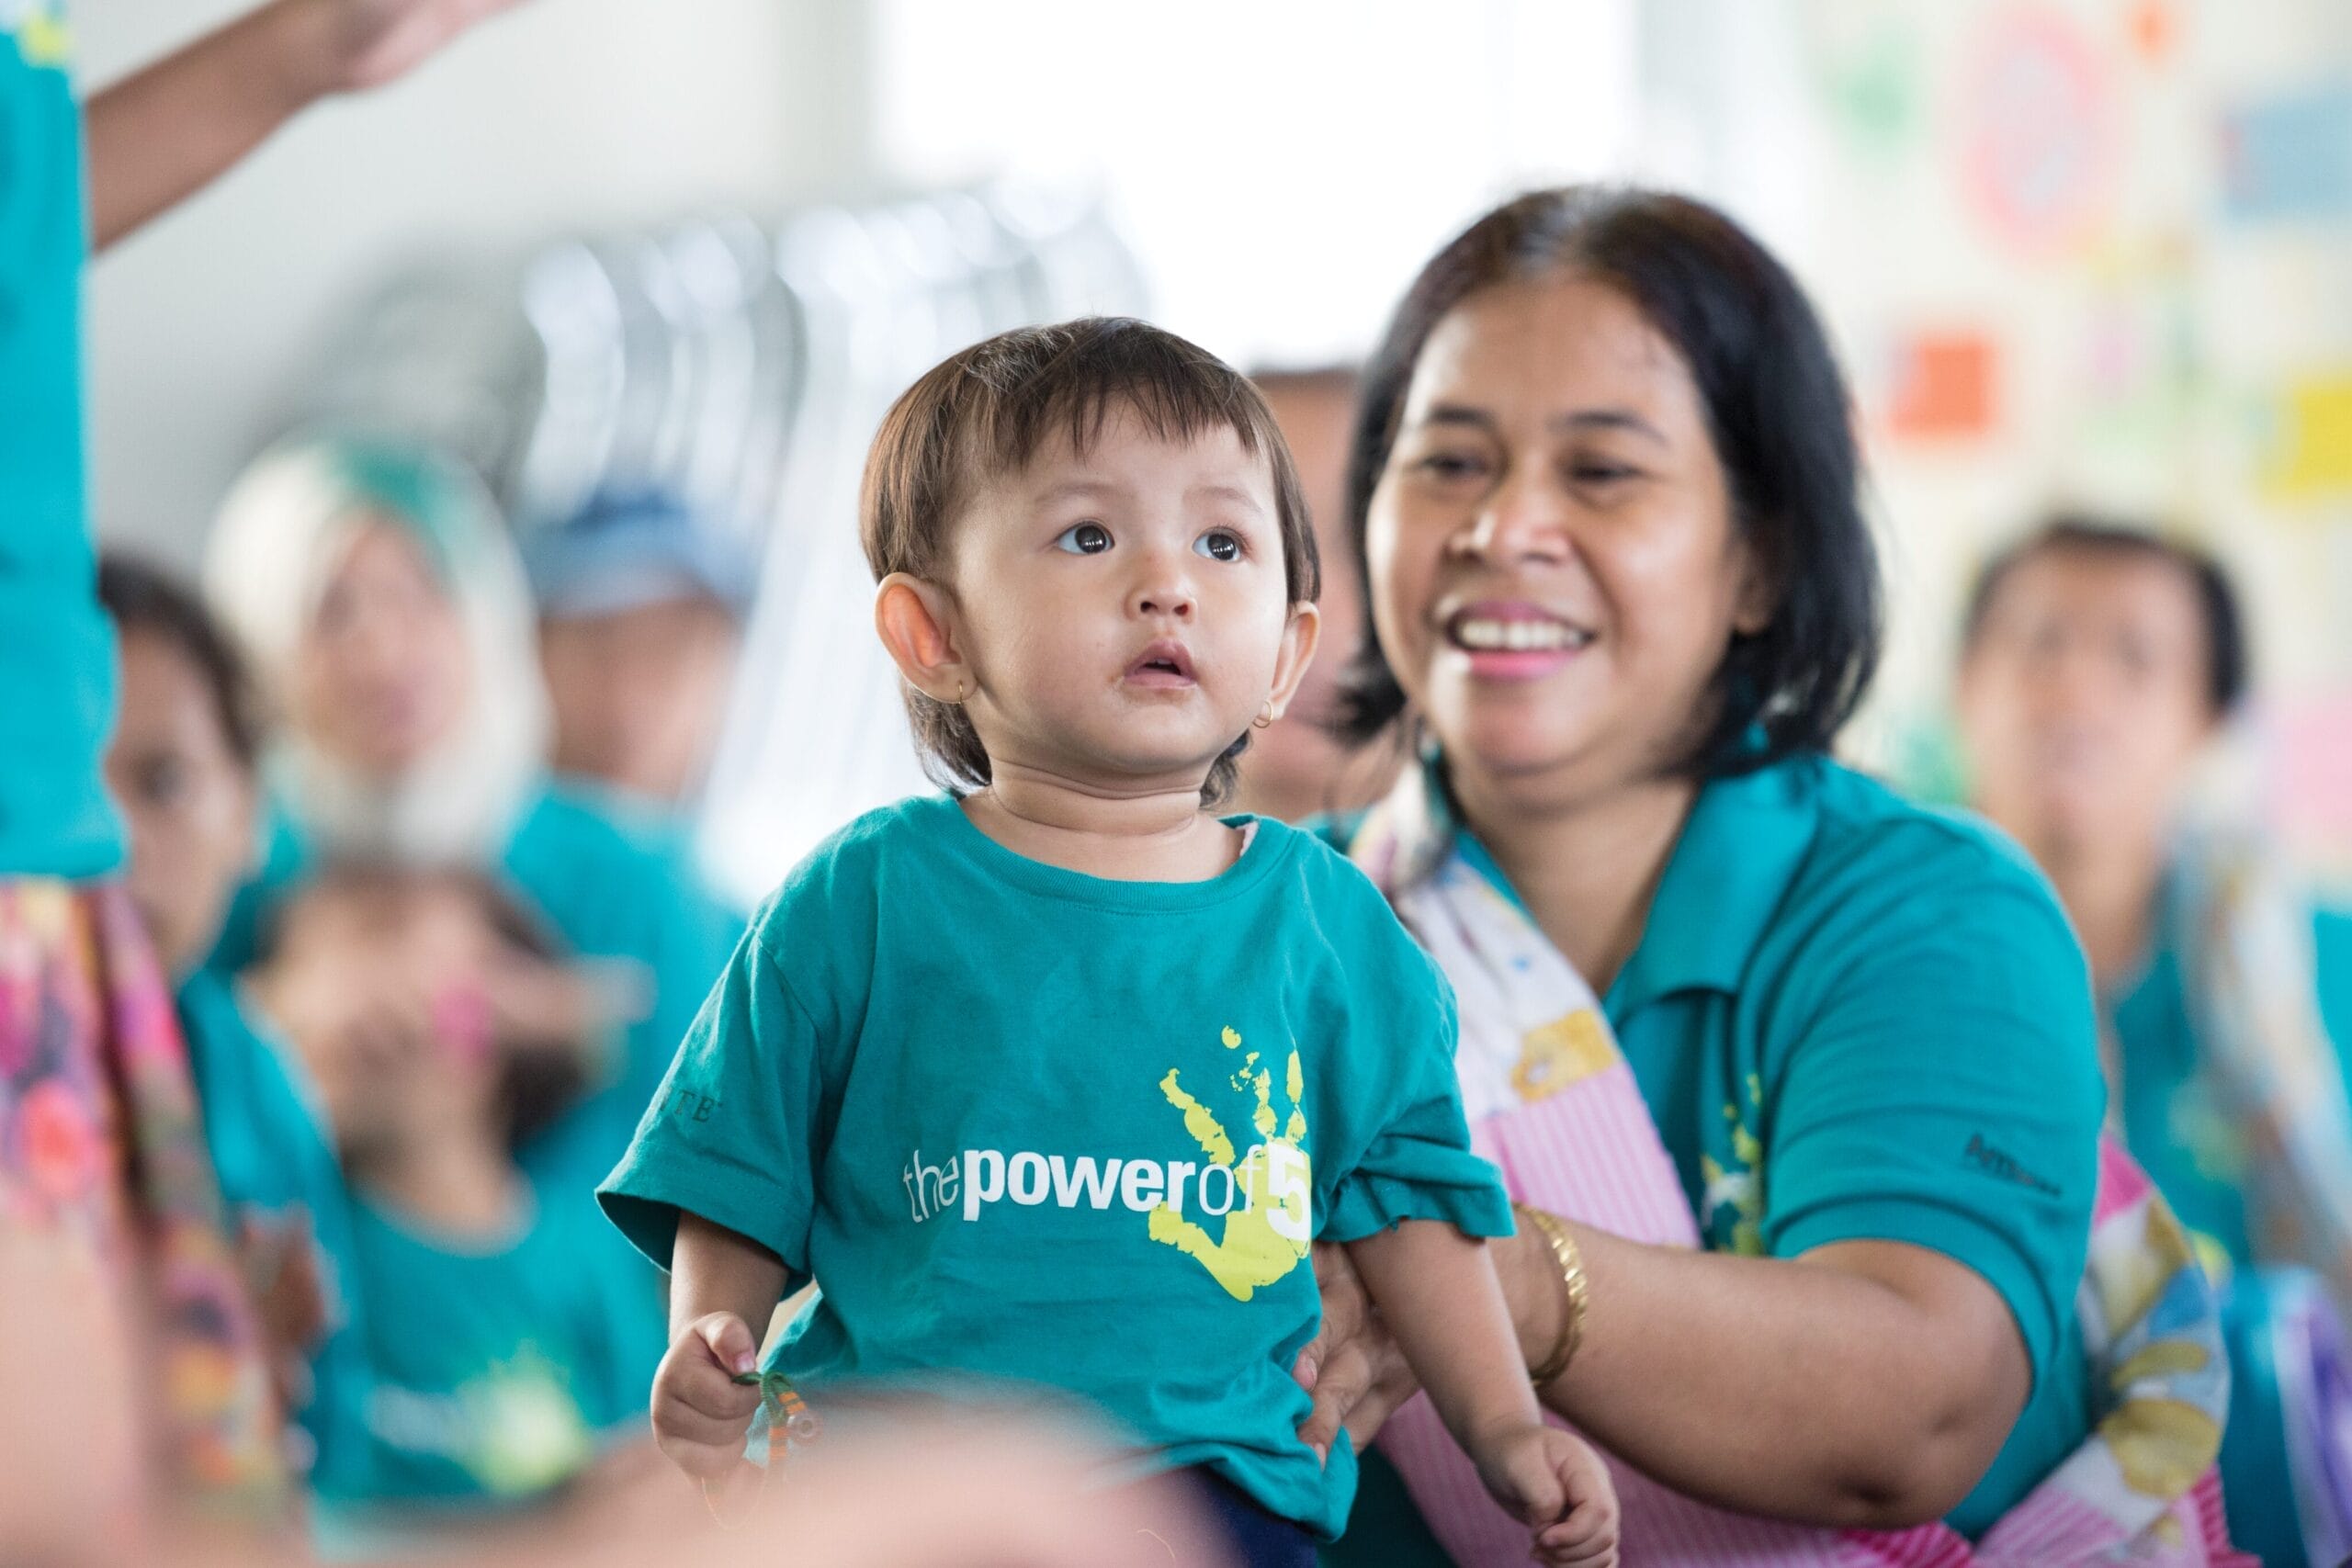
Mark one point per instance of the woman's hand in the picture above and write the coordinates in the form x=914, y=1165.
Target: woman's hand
x=1353, y=1367
x=350, y=46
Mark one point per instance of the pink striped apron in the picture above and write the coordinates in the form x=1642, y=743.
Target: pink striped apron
x=1554, y=1106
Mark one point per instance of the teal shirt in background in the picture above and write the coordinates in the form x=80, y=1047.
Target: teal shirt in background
x=268, y=1137
x=56, y=648
x=503, y=1367
x=1853, y=1018
x=2173, y=1120
x=1034, y=1126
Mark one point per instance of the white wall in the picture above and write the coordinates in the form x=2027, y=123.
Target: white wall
x=566, y=115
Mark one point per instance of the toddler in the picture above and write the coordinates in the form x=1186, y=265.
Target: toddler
x=1057, y=1077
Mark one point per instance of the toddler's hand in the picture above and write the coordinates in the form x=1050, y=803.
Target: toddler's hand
x=700, y=1412
x=1560, y=1487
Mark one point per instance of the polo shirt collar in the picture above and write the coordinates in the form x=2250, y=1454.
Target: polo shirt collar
x=1740, y=849
x=1745, y=839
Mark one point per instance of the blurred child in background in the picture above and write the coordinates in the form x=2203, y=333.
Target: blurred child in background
x=507, y=1343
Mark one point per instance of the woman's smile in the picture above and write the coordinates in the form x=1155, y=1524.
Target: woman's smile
x=1511, y=639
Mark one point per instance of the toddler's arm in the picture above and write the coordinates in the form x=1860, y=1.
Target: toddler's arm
x=720, y=1284
x=1438, y=1293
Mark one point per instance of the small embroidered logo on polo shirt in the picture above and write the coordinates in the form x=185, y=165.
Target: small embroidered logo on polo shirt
x=1993, y=1162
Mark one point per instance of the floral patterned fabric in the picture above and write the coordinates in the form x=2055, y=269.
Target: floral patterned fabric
x=101, y=1147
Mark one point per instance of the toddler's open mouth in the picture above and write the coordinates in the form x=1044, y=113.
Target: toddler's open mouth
x=1165, y=664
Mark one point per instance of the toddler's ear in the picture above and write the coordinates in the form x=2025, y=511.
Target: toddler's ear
x=1299, y=640
x=914, y=620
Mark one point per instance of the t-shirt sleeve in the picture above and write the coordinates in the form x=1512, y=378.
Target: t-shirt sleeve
x=1416, y=1163
x=733, y=1133
x=1943, y=1088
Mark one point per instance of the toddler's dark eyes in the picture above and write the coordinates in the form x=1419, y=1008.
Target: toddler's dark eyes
x=1085, y=539
x=1218, y=545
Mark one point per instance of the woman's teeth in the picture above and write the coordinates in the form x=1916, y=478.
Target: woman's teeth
x=1517, y=637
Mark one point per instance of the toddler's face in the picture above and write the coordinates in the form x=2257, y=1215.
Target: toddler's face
x=1124, y=613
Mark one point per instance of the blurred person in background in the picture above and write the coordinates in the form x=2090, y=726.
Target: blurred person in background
x=181, y=767
x=642, y=600
x=106, y=1192
x=505, y=1343
x=2100, y=662
x=1296, y=766
x=378, y=591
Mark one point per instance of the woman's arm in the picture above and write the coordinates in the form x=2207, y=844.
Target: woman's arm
x=166, y=132
x=1865, y=1383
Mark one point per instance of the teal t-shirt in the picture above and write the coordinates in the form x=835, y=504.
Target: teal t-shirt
x=994, y=1106
x=56, y=648
x=1853, y=1018
x=270, y=1151
x=500, y=1367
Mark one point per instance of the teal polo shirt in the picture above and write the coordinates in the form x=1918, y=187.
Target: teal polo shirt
x=1855, y=1019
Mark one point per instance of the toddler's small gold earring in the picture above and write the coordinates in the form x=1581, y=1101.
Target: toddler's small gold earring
x=1265, y=718
x=959, y=690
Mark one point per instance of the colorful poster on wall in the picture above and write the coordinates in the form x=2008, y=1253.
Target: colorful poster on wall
x=1941, y=385
x=2288, y=159
x=2037, y=145
x=1871, y=79
x=2307, y=444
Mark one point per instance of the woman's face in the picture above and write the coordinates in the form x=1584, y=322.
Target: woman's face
x=385, y=670
x=1556, y=576
x=2084, y=701
x=189, y=802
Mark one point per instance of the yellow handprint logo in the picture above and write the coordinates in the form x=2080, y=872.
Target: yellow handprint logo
x=1268, y=1203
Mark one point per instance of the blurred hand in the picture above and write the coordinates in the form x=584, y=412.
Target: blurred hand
x=574, y=1007
x=360, y=44
x=280, y=1260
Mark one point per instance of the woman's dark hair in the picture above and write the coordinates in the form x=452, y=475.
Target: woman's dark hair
x=2227, y=662
x=143, y=598
x=1777, y=410
x=987, y=411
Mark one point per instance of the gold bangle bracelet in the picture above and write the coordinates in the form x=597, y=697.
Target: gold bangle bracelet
x=1575, y=1292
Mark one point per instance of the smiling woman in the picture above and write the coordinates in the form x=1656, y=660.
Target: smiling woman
x=1799, y=1079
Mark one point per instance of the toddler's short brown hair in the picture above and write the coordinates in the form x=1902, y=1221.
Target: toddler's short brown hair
x=986, y=411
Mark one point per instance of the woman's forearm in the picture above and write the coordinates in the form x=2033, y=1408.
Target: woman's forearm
x=1870, y=1383
x=166, y=132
